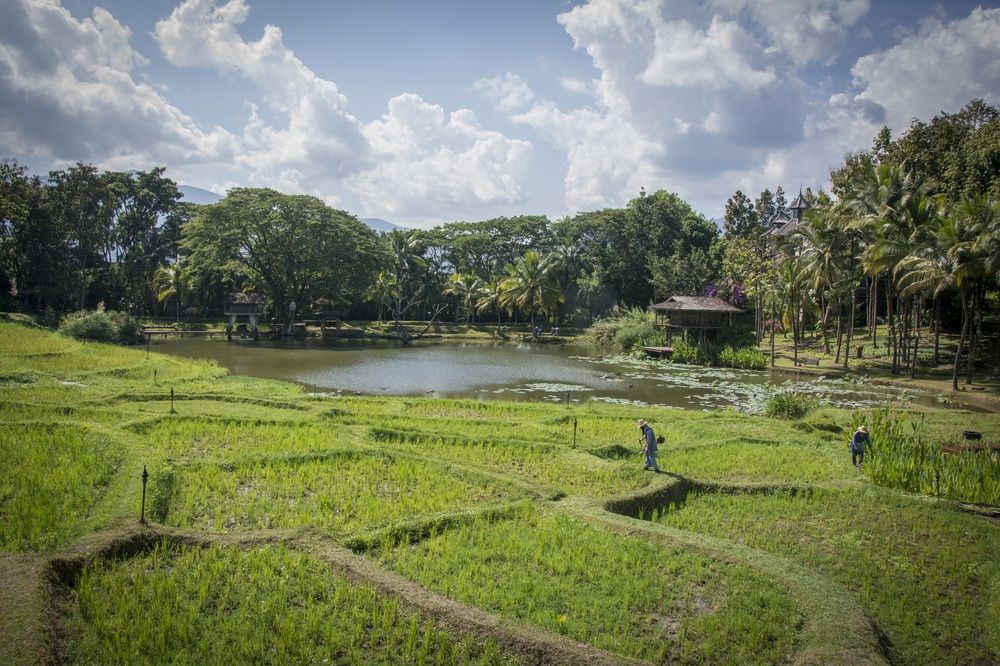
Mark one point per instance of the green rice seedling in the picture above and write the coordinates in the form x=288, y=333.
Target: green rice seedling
x=54, y=475
x=267, y=605
x=923, y=570
x=557, y=467
x=754, y=462
x=625, y=594
x=333, y=492
x=198, y=439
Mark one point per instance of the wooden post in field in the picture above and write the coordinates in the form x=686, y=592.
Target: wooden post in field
x=172, y=411
x=574, y=432
x=142, y=511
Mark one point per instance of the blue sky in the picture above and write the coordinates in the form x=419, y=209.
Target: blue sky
x=430, y=112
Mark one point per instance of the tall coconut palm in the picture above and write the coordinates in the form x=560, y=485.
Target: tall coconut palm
x=528, y=287
x=949, y=261
x=823, y=246
x=170, y=281
x=489, y=298
x=882, y=201
x=462, y=288
x=792, y=285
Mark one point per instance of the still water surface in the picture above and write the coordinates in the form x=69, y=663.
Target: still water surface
x=512, y=371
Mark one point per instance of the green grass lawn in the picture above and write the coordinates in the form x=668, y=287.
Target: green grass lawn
x=492, y=505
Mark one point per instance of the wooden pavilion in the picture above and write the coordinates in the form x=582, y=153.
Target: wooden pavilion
x=242, y=305
x=705, y=314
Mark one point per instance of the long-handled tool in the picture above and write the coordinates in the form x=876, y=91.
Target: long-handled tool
x=628, y=460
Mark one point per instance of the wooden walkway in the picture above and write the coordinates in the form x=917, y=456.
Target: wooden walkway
x=169, y=332
x=659, y=351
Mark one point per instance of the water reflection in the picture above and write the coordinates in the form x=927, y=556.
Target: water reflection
x=517, y=372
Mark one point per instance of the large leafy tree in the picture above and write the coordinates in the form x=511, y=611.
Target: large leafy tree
x=482, y=249
x=289, y=247
x=82, y=205
x=139, y=243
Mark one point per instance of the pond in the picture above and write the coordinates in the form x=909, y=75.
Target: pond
x=519, y=371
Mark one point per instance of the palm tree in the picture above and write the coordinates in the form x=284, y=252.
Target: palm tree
x=528, y=287
x=488, y=297
x=170, y=281
x=882, y=201
x=460, y=287
x=949, y=261
x=823, y=244
x=792, y=279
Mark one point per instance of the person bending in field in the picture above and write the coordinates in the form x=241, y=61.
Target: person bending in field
x=649, y=442
x=858, y=443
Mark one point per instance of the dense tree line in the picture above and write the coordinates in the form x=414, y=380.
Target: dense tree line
x=127, y=240
x=910, y=233
x=907, y=236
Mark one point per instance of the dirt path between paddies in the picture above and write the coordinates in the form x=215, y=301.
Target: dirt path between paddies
x=530, y=644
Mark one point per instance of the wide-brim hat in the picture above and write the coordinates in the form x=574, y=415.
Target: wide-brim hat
x=863, y=429
x=641, y=423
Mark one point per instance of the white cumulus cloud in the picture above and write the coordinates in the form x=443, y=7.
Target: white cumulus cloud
x=430, y=161
x=938, y=69
x=70, y=92
x=509, y=92
x=805, y=30
x=414, y=161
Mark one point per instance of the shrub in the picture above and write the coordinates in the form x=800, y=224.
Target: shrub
x=747, y=358
x=713, y=353
x=786, y=405
x=630, y=328
x=685, y=353
x=101, y=326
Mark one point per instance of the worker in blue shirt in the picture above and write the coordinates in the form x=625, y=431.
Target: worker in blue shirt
x=858, y=442
x=649, y=445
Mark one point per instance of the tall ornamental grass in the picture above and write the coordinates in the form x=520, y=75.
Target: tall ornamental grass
x=630, y=328
x=901, y=456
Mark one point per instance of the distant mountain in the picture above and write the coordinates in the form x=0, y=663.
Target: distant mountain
x=196, y=195
x=377, y=224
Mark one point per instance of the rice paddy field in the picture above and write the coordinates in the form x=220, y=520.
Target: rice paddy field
x=288, y=527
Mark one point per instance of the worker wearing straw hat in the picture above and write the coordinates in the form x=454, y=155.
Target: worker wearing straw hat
x=858, y=442
x=649, y=445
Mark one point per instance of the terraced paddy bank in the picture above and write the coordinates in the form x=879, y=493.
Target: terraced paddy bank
x=412, y=530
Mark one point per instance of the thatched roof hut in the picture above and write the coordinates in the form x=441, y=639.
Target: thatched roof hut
x=706, y=314
x=241, y=303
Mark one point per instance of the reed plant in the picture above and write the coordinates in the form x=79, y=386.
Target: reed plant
x=790, y=405
x=900, y=455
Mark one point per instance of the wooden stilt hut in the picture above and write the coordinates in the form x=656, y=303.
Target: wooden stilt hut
x=705, y=314
x=242, y=305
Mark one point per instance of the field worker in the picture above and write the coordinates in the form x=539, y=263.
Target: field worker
x=648, y=445
x=858, y=442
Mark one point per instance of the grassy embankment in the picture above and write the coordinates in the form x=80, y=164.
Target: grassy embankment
x=359, y=529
